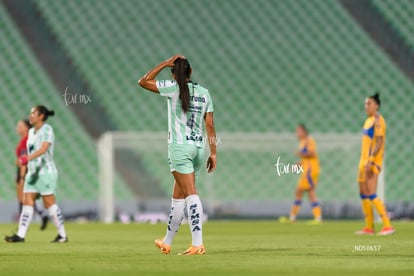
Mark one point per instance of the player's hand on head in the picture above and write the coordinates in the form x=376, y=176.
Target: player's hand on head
x=171, y=60
x=211, y=163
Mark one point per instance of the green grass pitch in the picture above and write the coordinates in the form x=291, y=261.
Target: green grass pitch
x=233, y=248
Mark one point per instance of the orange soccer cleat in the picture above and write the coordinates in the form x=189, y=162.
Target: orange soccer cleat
x=386, y=231
x=165, y=249
x=365, y=231
x=195, y=250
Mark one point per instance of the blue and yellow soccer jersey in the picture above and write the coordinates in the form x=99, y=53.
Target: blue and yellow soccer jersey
x=374, y=126
x=310, y=165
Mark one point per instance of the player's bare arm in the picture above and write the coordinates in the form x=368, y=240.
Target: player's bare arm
x=148, y=80
x=211, y=136
x=41, y=151
x=379, y=140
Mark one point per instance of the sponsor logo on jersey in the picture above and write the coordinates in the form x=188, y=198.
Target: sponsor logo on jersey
x=198, y=99
x=195, y=138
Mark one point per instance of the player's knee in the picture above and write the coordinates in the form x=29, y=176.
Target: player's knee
x=48, y=201
x=28, y=200
x=312, y=194
x=190, y=191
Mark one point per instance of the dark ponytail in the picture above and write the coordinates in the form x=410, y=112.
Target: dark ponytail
x=41, y=109
x=376, y=98
x=27, y=123
x=182, y=71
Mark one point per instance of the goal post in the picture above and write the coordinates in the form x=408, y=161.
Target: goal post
x=245, y=183
x=106, y=178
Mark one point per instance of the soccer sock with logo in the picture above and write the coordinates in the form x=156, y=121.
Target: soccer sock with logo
x=195, y=216
x=25, y=218
x=295, y=209
x=368, y=211
x=20, y=208
x=37, y=210
x=316, y=211
x=57, y=218
x=379, y=206
x=174, y=219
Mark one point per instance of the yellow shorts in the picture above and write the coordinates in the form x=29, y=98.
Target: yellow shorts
x=308, y=180
x=376, y=169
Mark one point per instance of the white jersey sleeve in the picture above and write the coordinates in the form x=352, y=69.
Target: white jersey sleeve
x=167, y=88
x=43, y=163
x=47, y=134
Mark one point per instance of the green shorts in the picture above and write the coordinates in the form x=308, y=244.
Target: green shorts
x=45, y=184
x=185, y=158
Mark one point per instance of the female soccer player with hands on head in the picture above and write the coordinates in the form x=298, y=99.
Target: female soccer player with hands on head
x=372, y=155
x=189, y=107
x=42, y=175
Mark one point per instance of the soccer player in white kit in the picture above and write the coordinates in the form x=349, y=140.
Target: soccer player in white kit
x=42, y=175
x=189, y=107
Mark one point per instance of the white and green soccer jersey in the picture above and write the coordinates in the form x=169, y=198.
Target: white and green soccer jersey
x=186, y=128
x=43, y=163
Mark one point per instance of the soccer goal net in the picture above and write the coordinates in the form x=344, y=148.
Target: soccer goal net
x=255, y=176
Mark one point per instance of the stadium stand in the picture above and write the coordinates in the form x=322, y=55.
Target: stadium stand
x=400, y=15
x=268, y=65
x=25, y=84
x=287, y=61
